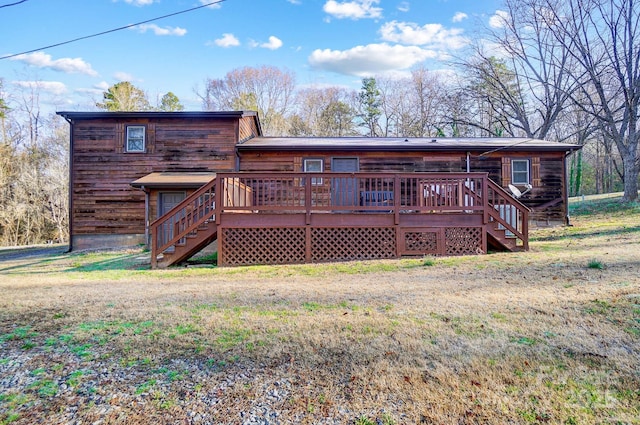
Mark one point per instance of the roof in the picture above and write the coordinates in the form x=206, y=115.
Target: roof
x=184, y=180
x=462, y=144
x=71, y=115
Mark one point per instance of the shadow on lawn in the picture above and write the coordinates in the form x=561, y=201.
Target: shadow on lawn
x=30, y=256
x=34, y=260
x=129, y=261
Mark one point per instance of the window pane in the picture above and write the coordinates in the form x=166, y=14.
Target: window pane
x=520, y=166
x=313, y=166
x=136, y=132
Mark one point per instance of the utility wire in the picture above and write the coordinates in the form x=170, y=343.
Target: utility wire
x=12, y=4
x=111, y=30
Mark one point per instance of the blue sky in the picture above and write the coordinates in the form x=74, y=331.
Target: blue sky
x=324, y=42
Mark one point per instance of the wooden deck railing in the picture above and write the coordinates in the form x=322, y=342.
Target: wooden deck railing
x=393, y=193
x=354, y=192
x=509, y=213
x=342, y=193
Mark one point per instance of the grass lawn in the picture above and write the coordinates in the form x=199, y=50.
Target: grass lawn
x=547, y=336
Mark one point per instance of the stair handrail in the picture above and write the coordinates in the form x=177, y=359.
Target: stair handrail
x=505, y=198
x=189, y=218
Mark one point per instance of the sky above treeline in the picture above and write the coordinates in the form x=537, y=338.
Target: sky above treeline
x=324, y=42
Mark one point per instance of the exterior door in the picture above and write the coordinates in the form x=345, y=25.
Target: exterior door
x=166, y=201
x=344, y=190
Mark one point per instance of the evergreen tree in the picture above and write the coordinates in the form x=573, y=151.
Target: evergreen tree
x=124, y=96
x=369, y=98
x=170, y=103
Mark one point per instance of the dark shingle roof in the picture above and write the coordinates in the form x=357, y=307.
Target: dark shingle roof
x=402, y=144
x=71, y=115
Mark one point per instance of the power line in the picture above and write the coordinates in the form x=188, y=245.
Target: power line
x=111, y=30
x=12, y=4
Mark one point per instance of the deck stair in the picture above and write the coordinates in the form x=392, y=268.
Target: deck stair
x=186, y=229
x=507, y=220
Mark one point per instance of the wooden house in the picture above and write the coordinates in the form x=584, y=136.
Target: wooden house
x=178, y=181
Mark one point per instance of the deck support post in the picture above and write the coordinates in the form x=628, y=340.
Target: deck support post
x=307, y=245
x=307, y=200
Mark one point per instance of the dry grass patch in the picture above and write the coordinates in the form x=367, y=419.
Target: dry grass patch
x=537, y=337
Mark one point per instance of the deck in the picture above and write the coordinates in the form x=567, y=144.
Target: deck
x=283, y=218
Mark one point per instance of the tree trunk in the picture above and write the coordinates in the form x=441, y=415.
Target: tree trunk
x=630, y=179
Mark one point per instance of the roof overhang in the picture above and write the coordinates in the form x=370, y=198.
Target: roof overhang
x=73, y=116
x=173, y=180
x=366, y=144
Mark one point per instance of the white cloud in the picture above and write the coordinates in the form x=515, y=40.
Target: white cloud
x=372, y=59
x=123, y=76
x=294, y=1
x=140, y=2
x=66, y=65
x=211, y=6
x=161, y=31
x=404, y=6
x=227, y=40
x=459, y=17
x=97, y=89
x=53, y=87
x=498, y=19
x=355, y=9
x=434, y=35
x=274, y=43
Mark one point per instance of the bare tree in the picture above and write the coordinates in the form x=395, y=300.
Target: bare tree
x=603, y=37
x=324, y=112
x=425, y=110
x=33, y=173
x=522, y=83
x=267, y=89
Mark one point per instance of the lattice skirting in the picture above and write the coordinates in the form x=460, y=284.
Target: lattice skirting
x=442, y=241
x=284, y=245
x=463, y=240
x=347, y=243
x=287, y=245
x=421, y=242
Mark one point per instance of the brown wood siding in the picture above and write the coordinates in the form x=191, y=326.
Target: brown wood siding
x=103, y=200
x=247, y=129
x=550, y=190
x=546, y=167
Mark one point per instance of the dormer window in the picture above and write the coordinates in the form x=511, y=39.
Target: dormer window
x=135, y=138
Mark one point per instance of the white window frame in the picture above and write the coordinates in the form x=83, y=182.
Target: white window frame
x=130, y=139
x=520, y=173
x=315, y=181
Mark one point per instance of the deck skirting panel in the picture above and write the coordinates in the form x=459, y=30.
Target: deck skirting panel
x=242, y=243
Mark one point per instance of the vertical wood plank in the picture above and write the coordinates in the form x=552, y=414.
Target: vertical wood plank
x=506, y=171
x=536, y=181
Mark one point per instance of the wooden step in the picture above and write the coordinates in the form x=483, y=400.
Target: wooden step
x=193, y=244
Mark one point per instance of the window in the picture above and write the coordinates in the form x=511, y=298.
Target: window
x=520, y=171
x=314, y=166
x=135, y=138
